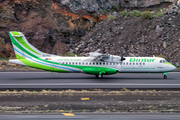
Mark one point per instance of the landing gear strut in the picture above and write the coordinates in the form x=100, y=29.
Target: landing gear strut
x=165, y=76
x=97, y=76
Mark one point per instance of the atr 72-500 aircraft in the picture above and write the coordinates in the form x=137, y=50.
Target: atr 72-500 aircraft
x=96, y=63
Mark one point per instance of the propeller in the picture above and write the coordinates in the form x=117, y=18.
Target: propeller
x=122, y=58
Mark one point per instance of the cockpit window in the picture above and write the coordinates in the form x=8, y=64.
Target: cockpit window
x=163, y=61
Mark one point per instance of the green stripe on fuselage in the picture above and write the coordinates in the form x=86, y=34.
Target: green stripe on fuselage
x=39, y=66
x=94, y=69
x=169, y=64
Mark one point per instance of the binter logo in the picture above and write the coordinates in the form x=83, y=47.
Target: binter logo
x=141, y=60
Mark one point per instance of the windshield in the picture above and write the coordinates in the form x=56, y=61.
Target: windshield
x=163, y=61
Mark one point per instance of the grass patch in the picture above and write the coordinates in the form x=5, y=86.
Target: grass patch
x=111, y=17
x=94, y=15
x=158, y=14
x=115, y=7
x=147, y=15
x=135, y=13
x=124, y=13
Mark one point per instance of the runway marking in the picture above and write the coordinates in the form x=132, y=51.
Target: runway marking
x=68, y=114
x=101, y=115
x=86, y=84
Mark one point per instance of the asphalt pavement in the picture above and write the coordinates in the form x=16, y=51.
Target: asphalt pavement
x=92, y=116
x=79, y=80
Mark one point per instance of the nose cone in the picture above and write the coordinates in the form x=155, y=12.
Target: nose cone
x=173, y=67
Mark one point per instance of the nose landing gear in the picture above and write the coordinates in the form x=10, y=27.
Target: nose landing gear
x=165, y=75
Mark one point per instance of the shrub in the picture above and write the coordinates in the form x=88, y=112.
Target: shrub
x=149, y=9
x=147, y=15
x=135, y=13
x=111, y=17
x=94, y=15
x=159, y=9
x=158, y=14
x=179, y=11
x=104, y=11
x=124, y=13
x=115, y=7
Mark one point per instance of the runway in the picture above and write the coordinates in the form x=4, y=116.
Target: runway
x=79, y=80
x=93, y=116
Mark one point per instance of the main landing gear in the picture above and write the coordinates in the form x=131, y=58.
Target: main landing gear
x=99, y=75
x=165, y=75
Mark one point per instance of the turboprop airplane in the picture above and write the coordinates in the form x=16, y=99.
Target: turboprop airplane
x=96, y=63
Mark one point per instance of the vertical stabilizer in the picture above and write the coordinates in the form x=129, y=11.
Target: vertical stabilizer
x=22, y=48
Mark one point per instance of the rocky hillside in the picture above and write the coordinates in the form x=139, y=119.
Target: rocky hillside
x=98, y=5
x=48, y=25
x=58, y=26
x=134, y=36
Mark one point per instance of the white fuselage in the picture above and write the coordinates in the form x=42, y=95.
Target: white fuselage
x=129, y=65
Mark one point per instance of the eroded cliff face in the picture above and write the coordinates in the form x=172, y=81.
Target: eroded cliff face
x=48, y=25
x=98, y=5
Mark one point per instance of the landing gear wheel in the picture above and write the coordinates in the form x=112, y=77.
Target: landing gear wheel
x=165, y=76
x=101, y=75
x=97, y=76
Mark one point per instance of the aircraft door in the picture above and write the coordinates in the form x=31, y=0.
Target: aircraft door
x=119, y=66
x=53, y=66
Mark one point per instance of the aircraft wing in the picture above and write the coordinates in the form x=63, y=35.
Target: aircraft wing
x=98, y=56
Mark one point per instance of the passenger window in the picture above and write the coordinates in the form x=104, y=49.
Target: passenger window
x=63, y=63
x=107, y=63
x=133, y=63
x=93, y=63
x=143, y=63
x=97, y=63
x=100, y=63
x=66, y=63
x=136, y=63
x=60, y=63
x=76, y=63
x=129, y=63
x=90, y=63
x=139, y=63
x=114, y=63
x=72, y=63
x=79, y=63
x=103, y=63
x=69, y=63
x=82, y=63
x=120, y=63
x=123, y=63
x=86, y=63
x=126, y=63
